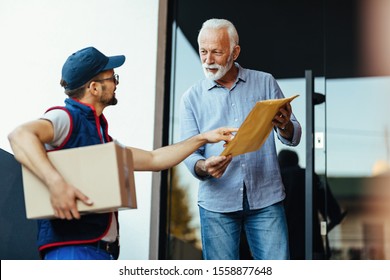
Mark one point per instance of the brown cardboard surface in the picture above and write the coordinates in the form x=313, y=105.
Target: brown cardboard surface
x=256, y=127
x=105, y=173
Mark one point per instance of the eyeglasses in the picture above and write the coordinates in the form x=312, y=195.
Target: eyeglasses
x=114, y=77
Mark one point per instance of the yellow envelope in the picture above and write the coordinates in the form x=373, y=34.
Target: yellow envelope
x=256, y=127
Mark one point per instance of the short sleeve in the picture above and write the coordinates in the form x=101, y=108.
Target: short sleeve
x=61, y=125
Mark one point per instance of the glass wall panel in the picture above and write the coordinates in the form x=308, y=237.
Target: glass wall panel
x=184, y=235
x=358, y=152
x=346, y=45
x=357, y=131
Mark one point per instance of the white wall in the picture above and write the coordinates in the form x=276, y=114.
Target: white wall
x=36, y=38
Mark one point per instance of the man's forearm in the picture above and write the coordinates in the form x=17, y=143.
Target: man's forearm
x=168, y=156
x=30, y=152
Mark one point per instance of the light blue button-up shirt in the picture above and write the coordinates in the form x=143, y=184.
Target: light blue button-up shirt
x=206, y=106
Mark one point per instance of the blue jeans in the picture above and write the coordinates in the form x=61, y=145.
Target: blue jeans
x=266, y=232
x=77, y=252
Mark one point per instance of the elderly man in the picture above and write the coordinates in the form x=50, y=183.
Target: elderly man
x=246, y=192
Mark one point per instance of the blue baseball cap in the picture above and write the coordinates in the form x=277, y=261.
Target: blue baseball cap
x=85, y=64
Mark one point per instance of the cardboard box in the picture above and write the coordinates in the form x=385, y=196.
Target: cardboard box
x=104, y=172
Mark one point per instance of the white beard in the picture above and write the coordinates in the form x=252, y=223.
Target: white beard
x=222, y=70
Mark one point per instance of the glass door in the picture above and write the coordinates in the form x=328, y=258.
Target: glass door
x=357, y=123
x=345, y=44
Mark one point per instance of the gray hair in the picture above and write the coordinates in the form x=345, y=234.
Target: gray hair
x=216, y=23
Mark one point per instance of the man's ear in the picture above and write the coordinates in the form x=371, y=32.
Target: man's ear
x=94, y=88
x=236, y=51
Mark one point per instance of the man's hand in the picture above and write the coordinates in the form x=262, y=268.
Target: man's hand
x=64, y=200
x=214, y=166
x=283, y=123
x=220, y=134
